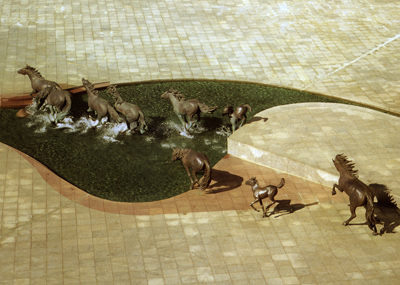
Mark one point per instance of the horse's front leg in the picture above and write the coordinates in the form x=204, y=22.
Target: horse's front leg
x=353, y=215
x=255, y=201
x=183, y=121
x=333, y=189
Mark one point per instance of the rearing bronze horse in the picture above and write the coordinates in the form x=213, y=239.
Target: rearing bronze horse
x=189, y=108
x=196, y=162
x=359, y=193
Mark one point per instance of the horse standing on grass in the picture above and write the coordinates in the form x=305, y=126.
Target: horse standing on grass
x=196, y=162
x=185, y=110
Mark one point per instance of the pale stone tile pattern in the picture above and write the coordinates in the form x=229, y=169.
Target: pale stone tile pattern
x=342, y=48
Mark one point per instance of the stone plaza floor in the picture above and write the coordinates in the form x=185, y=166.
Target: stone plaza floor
x=51, y=232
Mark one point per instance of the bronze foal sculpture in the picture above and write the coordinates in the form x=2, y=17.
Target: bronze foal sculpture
x=261, y=193
x=195, y=162
x=359, y=193
x=238, y=116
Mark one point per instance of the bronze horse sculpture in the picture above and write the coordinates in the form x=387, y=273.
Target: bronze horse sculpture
x=196, y=162
x=359, y=193
x=186, y=109
x=55, y=100
x=237, y=116
x=261, y=193
x=133, y=114
x=49, y=94
x=100, y=106
x=38, y=82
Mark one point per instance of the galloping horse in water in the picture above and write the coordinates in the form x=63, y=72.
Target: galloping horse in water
x=55, y=100
x=239, y=114
x=49, y=93
x=196, y=162
x=133, y=114
x=359, y=193
x=189, y=108
x=100, y=106
x=38, y=82
x=261, y=193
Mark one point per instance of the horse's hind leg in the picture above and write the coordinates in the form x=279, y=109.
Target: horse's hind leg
x=263, y=209
x=195, y=179
x=353, y=215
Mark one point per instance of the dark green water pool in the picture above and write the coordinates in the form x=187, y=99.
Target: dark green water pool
x=138, y=168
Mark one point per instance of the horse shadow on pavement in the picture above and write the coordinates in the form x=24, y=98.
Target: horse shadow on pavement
x=284, y=207
x=224, y=181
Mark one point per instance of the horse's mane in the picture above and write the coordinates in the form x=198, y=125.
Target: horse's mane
x=181, y=152
x=347, y=165
x=112, y=90
x=34, y=70
x=178, y=94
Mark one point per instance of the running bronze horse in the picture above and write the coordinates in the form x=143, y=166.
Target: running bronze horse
x=237, y=116
x=196, y=162
x=100, y=106
x=49, y=94
x=359, y=193
x=185, y=110
x=261, y=193
x=55, y=100
x=133, y=114
x=38, y=82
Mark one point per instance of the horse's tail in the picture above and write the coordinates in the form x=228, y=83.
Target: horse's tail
x=369, y=214
x=66, y=109
x=281, y=184
x=142, y=122
x=248, y=107
x=206, y=109
x=382, y=194
x=206, y=179
x=113, y=113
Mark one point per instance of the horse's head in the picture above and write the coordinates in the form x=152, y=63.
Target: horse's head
x=343, y=165
x=252, y=181
x=227, y=110
x=166, y=94
x=176, y=154
x=85, y=82
x=24, y=71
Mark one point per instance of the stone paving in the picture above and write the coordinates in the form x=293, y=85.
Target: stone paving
x=52, y=232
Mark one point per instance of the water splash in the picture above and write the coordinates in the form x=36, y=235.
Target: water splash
x=223, y=131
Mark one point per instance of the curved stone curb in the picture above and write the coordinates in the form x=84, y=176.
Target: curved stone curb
x=302, y=139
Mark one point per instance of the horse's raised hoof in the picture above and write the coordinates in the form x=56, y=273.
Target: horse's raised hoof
x=345, y=223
